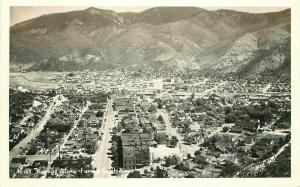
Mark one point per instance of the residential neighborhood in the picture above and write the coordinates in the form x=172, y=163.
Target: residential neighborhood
x=149, y=124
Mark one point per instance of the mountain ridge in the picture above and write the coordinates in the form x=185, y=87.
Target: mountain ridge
x=178, y=37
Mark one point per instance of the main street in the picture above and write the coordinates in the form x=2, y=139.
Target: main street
x=57, y=100
x=101, y=159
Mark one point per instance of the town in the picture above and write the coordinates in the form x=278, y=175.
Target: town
x=148, y=124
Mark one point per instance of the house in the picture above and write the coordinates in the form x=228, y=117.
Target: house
x=195, y=127
x=15, y=168
x=246, y=125
x=40, y=163
x=258, y=98
x=235, y=130
x=95, y=122
x=199, y=159
x=262, y=147
x=16, y=132
x=187, y=165
x=69, y=175
x=21, y=160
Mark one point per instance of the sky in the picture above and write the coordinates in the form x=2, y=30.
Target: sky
x=23, y=13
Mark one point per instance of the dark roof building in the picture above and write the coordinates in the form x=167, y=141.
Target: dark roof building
x=135, y=150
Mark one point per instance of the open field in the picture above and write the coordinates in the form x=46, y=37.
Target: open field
x=34, y=80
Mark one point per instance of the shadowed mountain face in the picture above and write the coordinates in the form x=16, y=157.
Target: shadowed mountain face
x=223, y=41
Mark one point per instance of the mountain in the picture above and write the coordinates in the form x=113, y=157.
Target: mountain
x=222, y=41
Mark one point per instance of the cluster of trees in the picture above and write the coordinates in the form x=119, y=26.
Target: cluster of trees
x=52, y=93
x=158, y=173
x=18, y=103
x=58, y=125
x=161, y=173
x=171, y=160
x=284, y=121
x=203, y=105
x=134, y=174
x=160, y=103
x=262, y=112
x=229, y=169
x=185, y=123
x=32, y=150
x=90, y=146
x=152, y=108
x=76, y=99
x=280, y=168
x=99, y=114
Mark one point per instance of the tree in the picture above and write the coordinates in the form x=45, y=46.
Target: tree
x=152, y=108
x=58, y=125
x=160, y=105
x=146, y=172
x=114, y=129
x=197, y=153
x=229, y=169
x=171, y=160
x=281, y=141
x=173, y=141
x=227, y=110
x=148, y=130
x=114, y=148
x=267, y=114
x=287, y=138
x=160, y=173
x=190, y=176
x=186, y=125
x=99, y=114
x=245, y=117
x=189, y=156
x=134, y=174
x=33, y=150
x=200, y=102
x=225, y=129
x=192, y=96
x=229, y=118
x=160, y=118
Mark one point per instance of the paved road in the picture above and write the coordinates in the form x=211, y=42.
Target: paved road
x=102, y=160
x=40, y=126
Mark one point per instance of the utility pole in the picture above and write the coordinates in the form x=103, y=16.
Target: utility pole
x=59, y=153
x=152, y=157
x=50, y=154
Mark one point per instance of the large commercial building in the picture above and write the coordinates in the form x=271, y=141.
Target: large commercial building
x=135, y=150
